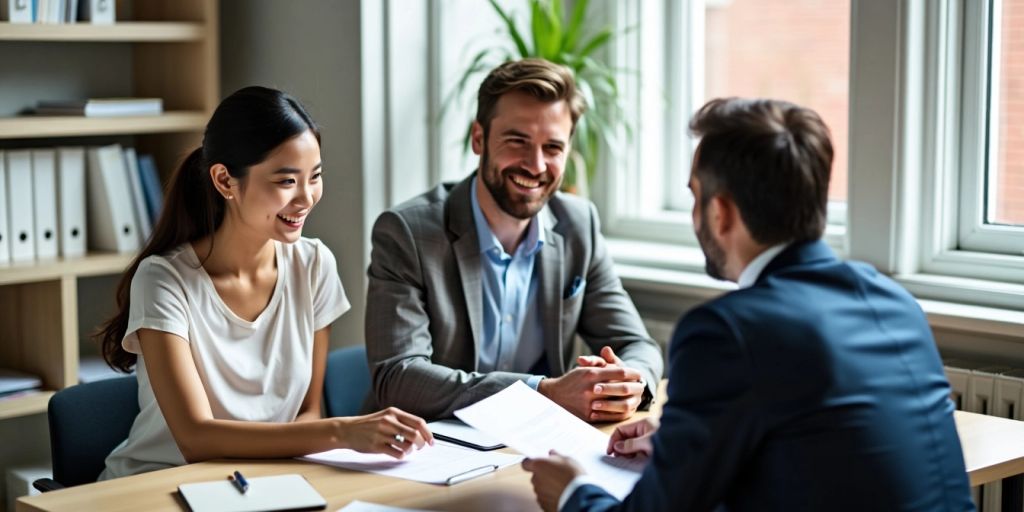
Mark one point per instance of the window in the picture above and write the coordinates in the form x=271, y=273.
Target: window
x=991, y=214
x=925, y=101
x=687, y=52
x=1005, y=195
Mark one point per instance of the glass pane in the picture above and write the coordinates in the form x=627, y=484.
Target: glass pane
x=797, y=51
x=1006, y=177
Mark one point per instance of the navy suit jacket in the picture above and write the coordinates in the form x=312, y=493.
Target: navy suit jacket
x=818, y=388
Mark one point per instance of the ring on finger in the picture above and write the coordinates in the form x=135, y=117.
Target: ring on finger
x=399, y=438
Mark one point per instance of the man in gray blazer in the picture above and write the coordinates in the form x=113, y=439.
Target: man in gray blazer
x=475, y=285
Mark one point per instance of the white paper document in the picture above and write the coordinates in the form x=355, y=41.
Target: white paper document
x=362, y=506
x=442, y=463
x=531, y=424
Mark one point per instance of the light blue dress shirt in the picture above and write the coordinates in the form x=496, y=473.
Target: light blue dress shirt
x=512, y=336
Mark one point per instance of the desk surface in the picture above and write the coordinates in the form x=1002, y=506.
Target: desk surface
x=993, y=449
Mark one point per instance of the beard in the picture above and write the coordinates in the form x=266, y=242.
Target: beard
x=510, y=200
x=714, y=256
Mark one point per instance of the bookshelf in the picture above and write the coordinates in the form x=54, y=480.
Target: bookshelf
x=174, y=56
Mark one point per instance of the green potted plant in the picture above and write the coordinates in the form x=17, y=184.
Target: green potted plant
x=563, y=38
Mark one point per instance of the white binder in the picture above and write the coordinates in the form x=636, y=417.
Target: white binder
x=5, y=234
x=16, y=11
x=44, y=200
x=111, y=223
x=71, y=201
x=131, y=164
x=20, y=210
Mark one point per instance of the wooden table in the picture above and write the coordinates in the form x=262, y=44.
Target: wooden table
x=993, y=449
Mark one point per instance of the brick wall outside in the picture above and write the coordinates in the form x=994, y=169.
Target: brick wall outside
x=1009, y=207
x=794, y=50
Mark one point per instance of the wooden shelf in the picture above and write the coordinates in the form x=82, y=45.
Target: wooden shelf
x=32, y=403
x=77, y=126
x=95, y=264
x=126, y=31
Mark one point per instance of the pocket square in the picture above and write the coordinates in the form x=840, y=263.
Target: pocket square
x=578, y=285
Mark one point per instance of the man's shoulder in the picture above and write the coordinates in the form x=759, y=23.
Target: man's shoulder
x=571, y=209
x=431, y=200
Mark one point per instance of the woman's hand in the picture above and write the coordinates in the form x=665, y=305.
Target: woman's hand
x=391, y=431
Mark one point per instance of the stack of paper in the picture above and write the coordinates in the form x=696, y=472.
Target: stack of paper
x=442, y=463
x=533, y=425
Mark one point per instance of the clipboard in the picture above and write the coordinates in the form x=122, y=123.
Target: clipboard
x=456, y=432
x=265, y=494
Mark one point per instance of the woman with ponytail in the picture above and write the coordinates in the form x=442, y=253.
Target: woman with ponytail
x=226, y=313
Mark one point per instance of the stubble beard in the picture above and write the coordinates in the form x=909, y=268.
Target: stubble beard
x=496, y=181
x=714, y=256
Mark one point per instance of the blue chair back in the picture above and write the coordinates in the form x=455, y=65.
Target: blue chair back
x=347, y=381
x=87, y=421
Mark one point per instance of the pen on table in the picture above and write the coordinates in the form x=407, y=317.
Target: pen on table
x=239, y=481
x=473, y=473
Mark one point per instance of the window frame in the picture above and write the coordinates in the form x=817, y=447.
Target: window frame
x=982, y=30
x=910, y=138
x=625, y=203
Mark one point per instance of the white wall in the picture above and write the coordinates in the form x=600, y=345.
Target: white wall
x=310, y=48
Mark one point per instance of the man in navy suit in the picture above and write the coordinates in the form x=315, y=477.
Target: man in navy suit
x=815, y=386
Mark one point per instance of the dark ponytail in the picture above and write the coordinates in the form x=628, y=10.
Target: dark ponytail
x=244, y=129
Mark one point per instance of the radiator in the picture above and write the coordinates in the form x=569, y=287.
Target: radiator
x=995, y=391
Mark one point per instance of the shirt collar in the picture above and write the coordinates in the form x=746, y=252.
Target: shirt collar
x=753, y=270
x=534, y=240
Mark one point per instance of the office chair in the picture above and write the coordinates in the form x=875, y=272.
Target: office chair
x=347, y=381
x=87, y=422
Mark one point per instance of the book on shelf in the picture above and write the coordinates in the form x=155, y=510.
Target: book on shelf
x=150, y=178
x=17, y=11
x=102, y=107
x=142, y=220
x=5, y=234
x=14, y=381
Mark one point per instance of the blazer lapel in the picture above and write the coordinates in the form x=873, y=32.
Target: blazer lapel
x=550, y=274
x=467, y=258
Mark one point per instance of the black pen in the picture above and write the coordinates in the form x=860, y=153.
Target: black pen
x=240, y=482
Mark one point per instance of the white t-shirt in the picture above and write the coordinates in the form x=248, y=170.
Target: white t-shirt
x=253, y=371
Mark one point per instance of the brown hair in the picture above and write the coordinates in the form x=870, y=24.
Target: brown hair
x=773, y=158
x=243, y=130
x=546, y=81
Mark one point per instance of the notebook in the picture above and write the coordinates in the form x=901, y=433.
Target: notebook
x=265, y=494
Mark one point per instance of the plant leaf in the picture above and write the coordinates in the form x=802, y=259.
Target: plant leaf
x=512, y=30
x=547, y=30
x=575, y=26
x=596, y=42
x=476, y=66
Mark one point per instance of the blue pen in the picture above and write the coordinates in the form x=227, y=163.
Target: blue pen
x=241, y=482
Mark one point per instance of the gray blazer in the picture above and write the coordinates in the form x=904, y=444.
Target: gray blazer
x=424, y=307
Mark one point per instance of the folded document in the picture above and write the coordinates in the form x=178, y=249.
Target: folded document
x=531, y=424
